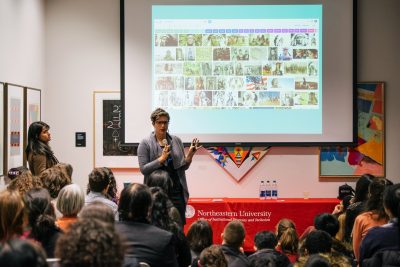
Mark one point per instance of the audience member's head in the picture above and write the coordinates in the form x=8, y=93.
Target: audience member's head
x=25, y=182
x=15, y=172
x=361, y=192
x=327, y=222
x=54, y=179
x=21, y=253
x=135, y=202
x=200, y=235
x=318, y=241
x=41, y=216
x=265, y=239
x=98, y=210
x=234, y=234
x=213, y=256
x=286, y=235
x=99, y=180
x=267, y=260
x=317, y=260
x=70, y=200
x=391, y=200
x=160, y=178
x=66, y=168
x=90, y=243
x=11, y=215
x=375, y=200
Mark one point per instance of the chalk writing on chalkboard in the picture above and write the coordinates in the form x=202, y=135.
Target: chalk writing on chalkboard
x=112, y=131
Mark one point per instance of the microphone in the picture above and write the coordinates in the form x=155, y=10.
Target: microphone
x=164, y=142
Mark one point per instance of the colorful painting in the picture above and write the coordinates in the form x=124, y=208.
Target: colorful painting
x=237, y=161
x=368, y=155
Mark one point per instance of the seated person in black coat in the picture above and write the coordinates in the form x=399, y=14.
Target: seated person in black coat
x=265, y=243
x=233, y=238
x=143, y=241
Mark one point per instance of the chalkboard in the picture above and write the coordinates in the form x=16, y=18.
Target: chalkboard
x=112, y=131
x=108, y=148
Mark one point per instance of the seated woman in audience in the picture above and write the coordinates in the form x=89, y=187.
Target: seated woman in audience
x=70, y=202
x=38, y=152
x=160, y=178
x=381, y=245
x=212, y=256
x=21, y=253
x=374, y=214
x=25, y=182
x=199, y=236
x=357, y=204
x=98, y=210
x=288, y=242
x=41, y=219
x=90, y=243
x=161, y=219
x=11, y=215
x=112, y=191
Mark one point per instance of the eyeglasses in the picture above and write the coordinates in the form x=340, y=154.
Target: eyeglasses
x=162, y=122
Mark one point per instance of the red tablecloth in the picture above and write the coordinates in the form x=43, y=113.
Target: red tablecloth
x=257, y=215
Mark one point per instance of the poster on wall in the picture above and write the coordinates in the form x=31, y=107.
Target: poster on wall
x=108, y=151
x=368, y=155
x=15, y=126
x=33, y=107
x=2, y=128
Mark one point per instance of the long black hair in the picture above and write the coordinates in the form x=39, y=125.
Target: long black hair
x=391, y=201
x=35, y=145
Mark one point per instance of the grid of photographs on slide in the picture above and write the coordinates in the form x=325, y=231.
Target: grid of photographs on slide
x=241, y=70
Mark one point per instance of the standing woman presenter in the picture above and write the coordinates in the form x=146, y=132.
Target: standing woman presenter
x=38, y=152
x=161, y=150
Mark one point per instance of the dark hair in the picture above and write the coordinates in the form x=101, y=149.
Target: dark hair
x=135, y=202
x=391, y=200
x=266, y=260
x=54, y=179
x=15, y=172
x=11, y=214
x=35, y=145
x=318, y=241
x=375, y=201
x=159, y=211
x=317, y=260
x=90, y=243
x=98, y=210
x=234, y=233
x=265, y=239
x=213, y=256
x=21, y=253
x=160, y=178
x=99, y=179
x=112, y=191
x=327, y=222
x=287, y=236
x=361, y=192
x=157, y=113
x=41, y=216
x=200, y=235
x=346, y=202
x=25, y=182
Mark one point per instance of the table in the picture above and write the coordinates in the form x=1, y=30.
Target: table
x=256, y=215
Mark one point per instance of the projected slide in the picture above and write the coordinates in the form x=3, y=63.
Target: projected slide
x=218, y=69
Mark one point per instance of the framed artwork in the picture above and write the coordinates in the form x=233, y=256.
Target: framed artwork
x=15, y=126
x=369, y=154
x=108, y=151
x=2, y=150
x=33, y=106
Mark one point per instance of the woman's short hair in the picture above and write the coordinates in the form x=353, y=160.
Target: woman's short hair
x=135, y=202
x=21, y=253
x=11, y=214
x=156, y=114
x=90, y=243
x=54, y=179
x=200, y=235
x=213, y=256
x=98, y=210
x=70, y=200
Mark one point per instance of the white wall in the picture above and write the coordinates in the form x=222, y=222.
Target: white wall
x=82, y=55
x=22, y=43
